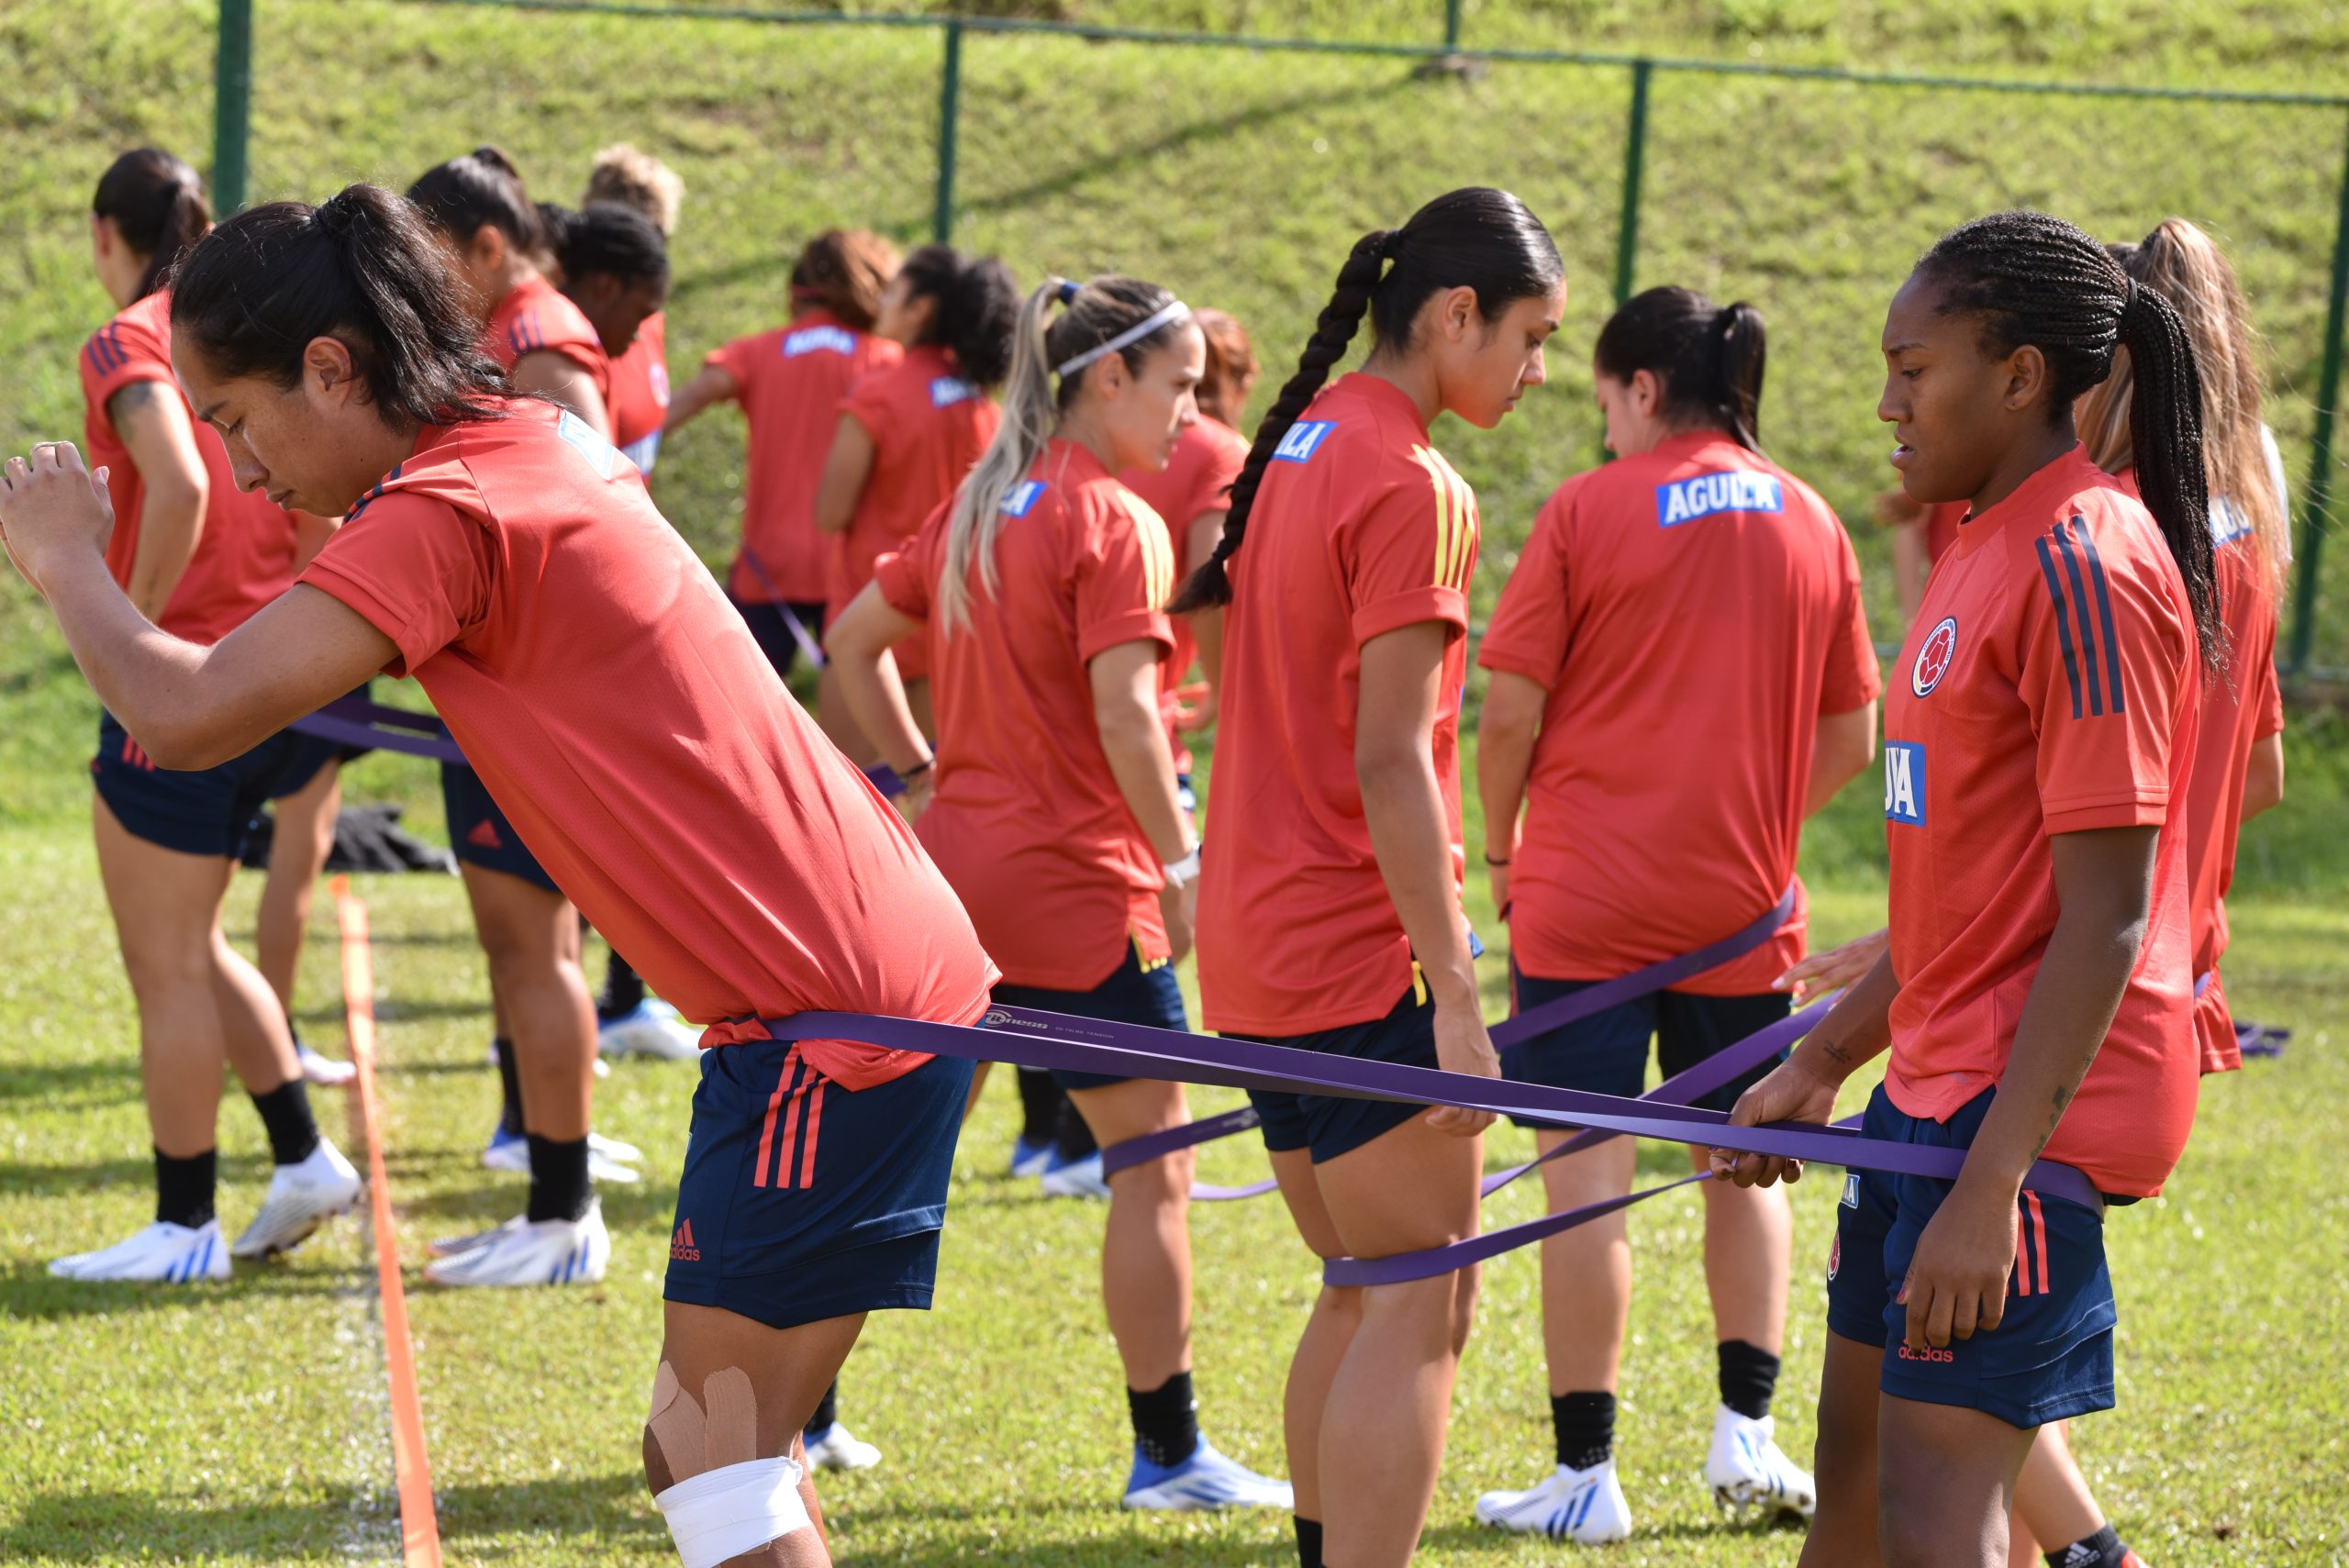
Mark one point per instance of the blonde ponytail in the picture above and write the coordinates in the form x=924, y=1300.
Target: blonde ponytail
x=1028, y=416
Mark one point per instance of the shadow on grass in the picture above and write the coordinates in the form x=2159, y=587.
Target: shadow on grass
x=74, y=1086
x=1036, y=1534
x=29, y=1294
x=122, y=1526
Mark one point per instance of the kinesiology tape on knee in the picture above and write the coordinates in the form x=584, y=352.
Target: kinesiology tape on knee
x=719, y=1429
x=722, y=1514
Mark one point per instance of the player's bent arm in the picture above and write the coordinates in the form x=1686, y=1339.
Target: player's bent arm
x=2263, y=781
x=310, y=536
x=549, y=375
x=1505, y=738
x=846, y=468
x=715, y=383
x=153, y=422
x=1844, y=745
x=1206, y=625
x=1134, y=738
x=858, y=647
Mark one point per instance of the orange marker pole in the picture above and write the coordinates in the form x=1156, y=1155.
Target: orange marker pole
x=419, y=1527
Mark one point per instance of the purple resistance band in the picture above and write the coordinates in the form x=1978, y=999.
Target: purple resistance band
x=356, y=721
x=1588, y=1002
x=809, y=649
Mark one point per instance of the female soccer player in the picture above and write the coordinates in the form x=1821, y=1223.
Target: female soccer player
x=197, y=558
x=545, y=1022
x=503, y=552
x=639, y=400
x=791, y=381
x=907, y=435
x=2038, y=993
x=1051, y=801
x=1691, y=585
x=614, y=266
x=1330, y=915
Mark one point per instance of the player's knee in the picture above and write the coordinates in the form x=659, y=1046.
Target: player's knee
x=1843, y=1455
x=1164, y=1182
x=657, y=1475
x=1914, y=1523
x=1464, y=1284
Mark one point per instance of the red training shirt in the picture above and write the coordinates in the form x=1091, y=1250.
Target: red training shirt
x=2049, y=686
x=792, y=380
x=534, y=316
x=1028, y=821
x=928, y=425
x=1692, y=611
x=1359, y=527
x=623, y=717
x=1197, y=480
x=244, y=554
x=640, y=392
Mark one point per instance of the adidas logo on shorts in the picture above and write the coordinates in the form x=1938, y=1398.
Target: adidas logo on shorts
x=681, y=1246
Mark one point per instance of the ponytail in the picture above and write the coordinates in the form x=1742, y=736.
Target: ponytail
x=845, y=273
x=1475, y=238
x=2035, y=279
x=481, y=190
x=156, y=202
x=1707, y=359
x=977, y=302
x=1108, y=315
x=362, y=268
x=605, y=237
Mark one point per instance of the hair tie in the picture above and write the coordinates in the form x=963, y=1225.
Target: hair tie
x=332, y=216
x=1068, y=290
x=1166, y=314
x=1392, y=246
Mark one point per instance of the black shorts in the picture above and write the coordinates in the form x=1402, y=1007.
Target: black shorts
x=1135, y=992
x=1331, y=1124
x=1607, y=1054
x=480, y=833
x=772, y=633
x=207, y=810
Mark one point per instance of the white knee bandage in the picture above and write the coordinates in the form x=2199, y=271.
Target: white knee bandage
x=724, y=1513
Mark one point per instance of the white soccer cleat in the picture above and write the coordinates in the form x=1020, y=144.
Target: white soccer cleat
x=511, y=1151
x=171, y=1254
x=532, y=1251
x=652, y=1027
x=1587, y=1506
x=1206, y=1480
x=449, y=1246
x=301, y=1198
x=1750, y=1475
x=1030, y=1158
x=837, y=1448
x=323, y=1071
x=1075, y=1178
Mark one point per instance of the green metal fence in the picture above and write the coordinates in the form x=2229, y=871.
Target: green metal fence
x=1680, y=120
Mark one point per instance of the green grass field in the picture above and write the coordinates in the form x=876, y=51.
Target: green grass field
x=247, y=1424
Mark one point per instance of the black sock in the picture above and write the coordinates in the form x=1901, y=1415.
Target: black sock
x=1040, y=1106
x=1309, y=1542
x=1073, y=1138
x=509, y=1082
x=285, y=1112
x=1585, y=1424
x=559, y=1188
x=1749, y=1376
x=183, y=1188
x=2102, y=1550
x=1166, y=1420
x=828, y=1410
x=623, y=990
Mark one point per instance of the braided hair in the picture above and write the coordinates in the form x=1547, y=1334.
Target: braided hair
x=1475, y=237
x=2030, y=278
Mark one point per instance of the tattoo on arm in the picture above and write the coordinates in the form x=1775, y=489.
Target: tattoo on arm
x=1837, y=1054
x=130, y=401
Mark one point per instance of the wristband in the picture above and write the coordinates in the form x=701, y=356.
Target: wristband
x=1490, y=861
x=909, y=774
x=1183, y=872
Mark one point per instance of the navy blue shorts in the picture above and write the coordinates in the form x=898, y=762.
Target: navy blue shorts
x=2051, y=1355
x=1331, y=1124
x=480, y=833
x=1135, y=992
x=1607, y=1054
x=207, y=811
x=802, y=1200
x=773, y=634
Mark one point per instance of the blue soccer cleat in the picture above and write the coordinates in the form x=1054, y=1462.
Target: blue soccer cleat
x=1206, y=1480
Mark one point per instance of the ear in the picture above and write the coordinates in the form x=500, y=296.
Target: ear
x=102, y=234
x=2027, y=378
x=487, y=249
x=1109, y=377
x=1456, y=314
x=1647, y=393
x=330, y=375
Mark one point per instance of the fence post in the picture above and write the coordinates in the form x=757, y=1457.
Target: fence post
x=1635, y=147
x=949, y=117
x=232, y=94
x=1451, y=27
x=2313, y=524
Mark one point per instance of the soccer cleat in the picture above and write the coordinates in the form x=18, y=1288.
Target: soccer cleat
x=652, y=1027
x=532, y=1251
x=1030, y=1158
x=511, y=1151
x=1750, y=1474
x=1206, y=1480
x=449, y=1246
x=1075, y=1178
x=172, y=1254
x=323, y=1071
x=1583, y=1505
x=301, y=1198
x=837, y=1448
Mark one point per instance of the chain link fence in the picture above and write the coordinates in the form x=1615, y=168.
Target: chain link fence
x=1237, y=168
